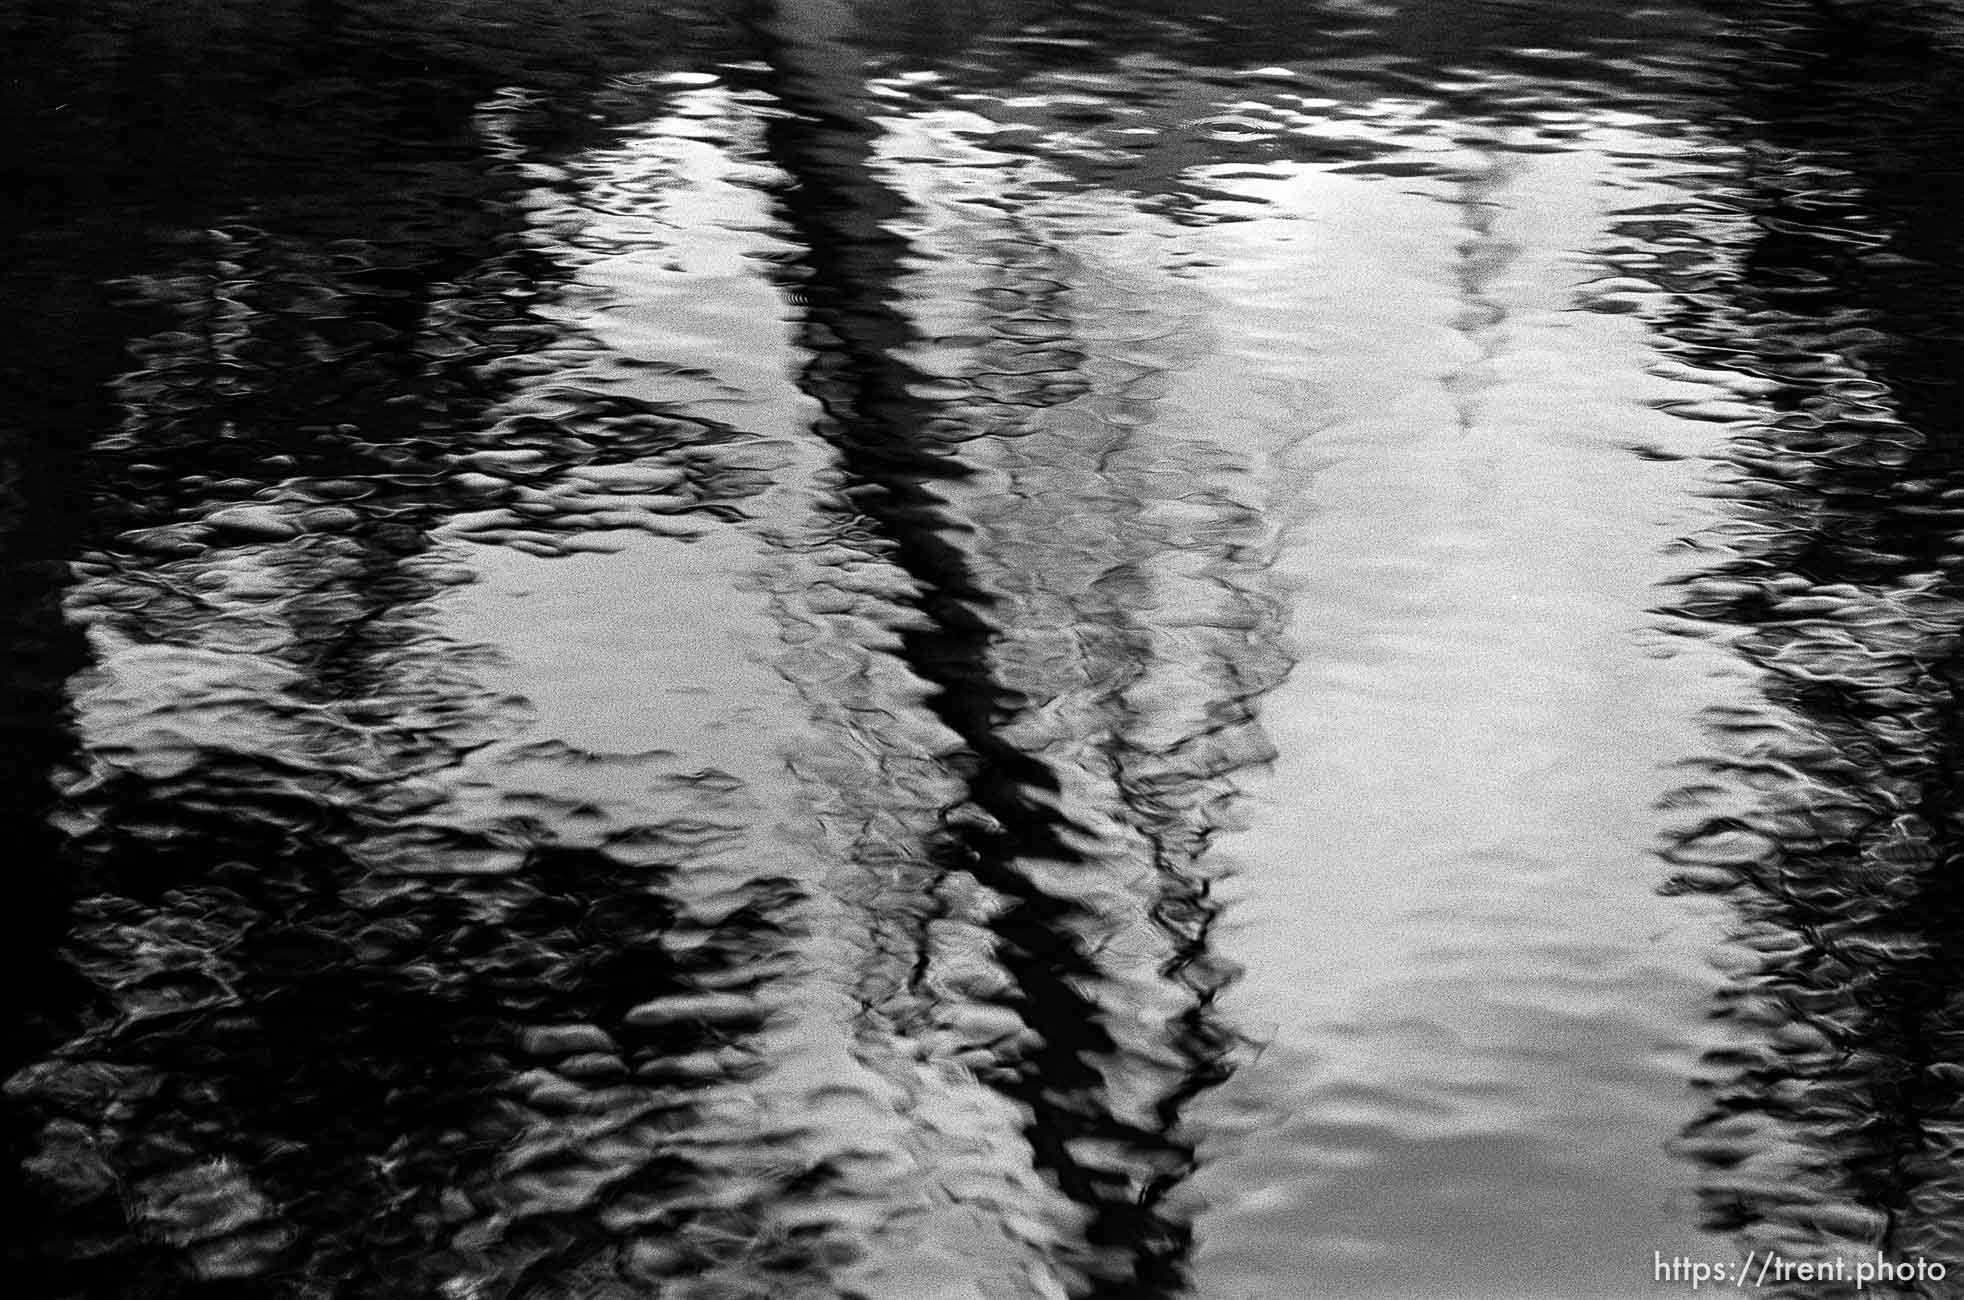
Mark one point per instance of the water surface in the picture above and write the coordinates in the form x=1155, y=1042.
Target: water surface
x=849, y=650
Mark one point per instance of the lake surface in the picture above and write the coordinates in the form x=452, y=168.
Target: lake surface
x=852, y=650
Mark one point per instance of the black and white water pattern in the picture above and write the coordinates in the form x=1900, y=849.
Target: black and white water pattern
x=980, y=649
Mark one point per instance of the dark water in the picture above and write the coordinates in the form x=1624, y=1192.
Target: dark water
x=995, y=650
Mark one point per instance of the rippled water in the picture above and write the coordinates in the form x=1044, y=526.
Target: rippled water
x=833, y=648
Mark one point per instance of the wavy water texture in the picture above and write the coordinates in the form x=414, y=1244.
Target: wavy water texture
x=828, y=648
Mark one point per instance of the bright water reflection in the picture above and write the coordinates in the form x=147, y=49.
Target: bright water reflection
x=826, y=649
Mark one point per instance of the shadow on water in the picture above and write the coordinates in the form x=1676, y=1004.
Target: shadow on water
x=1831, y=822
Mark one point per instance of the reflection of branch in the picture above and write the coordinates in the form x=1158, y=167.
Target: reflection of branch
x=1047, y=943
x=858, y=376
x=1120, y=1163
